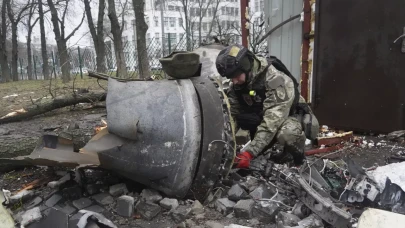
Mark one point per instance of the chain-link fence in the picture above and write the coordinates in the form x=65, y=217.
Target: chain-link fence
x=83, y=59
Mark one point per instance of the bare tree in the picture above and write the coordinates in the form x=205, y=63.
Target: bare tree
x=97, y=33
x=30, y=26
x=141, y=28
x=14, y=21
x=44, y=54
x=116, y=30
x=202, y=6
x=61, y=38
x=5, y=71
x=214, y=11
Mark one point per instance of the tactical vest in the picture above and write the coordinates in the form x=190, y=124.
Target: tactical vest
x=251, y=105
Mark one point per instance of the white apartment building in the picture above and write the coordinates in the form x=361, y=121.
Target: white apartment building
x=167, y=27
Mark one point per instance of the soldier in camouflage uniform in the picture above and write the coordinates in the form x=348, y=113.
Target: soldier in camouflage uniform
x=262, y=101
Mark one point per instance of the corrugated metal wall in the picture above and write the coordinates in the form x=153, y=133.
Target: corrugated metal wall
x=285, y=43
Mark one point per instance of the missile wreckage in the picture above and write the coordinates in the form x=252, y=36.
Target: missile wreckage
x=174, y=135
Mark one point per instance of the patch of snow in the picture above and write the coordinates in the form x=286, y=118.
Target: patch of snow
x=12, y=95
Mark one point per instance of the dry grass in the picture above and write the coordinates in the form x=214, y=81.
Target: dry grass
x=16, y=95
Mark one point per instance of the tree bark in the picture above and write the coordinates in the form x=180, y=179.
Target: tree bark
x=117, y=35
x=141, y=28
x=5, y=71
x=29, y=39
x=59, y=102
x=97, y=34
x=45, y=66
x=61, y=39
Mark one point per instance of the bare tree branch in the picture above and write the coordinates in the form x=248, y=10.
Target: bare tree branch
x=77, y=27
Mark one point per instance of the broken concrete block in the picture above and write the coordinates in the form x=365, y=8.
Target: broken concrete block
x=237, y=193
x=197, y=208
x=56, y=184
x=169, y=204
x=261, y=192
x=55, y=198
x=72, y=193
x=21, y=196
x=244, y=208
x=67, y=209
x=313, y=221
x=254, y=222
x=250, y=184
x=266, y=212
x=33, y=203
x=103, y=198
x=125, y=206
x=82, y=203
x=118, y=189
x=148, y=210
x=287, y=219
x=31, y=216
x=237, y=226
x=151, y=195
x=224, y=205
x=95, y=208
x=179, y=214
x=212, y=224
x=92, y=189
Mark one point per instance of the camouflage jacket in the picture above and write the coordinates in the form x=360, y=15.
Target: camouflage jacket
x=278, y=99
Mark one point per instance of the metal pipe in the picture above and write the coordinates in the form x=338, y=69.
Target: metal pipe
x=306, y=29
x=244, y=4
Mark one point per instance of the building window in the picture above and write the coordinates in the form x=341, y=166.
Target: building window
x=236, y=12
x=171, y=8
x=157, y=38
x=178, y=8
x=125, y=25
x=133, y=23
x=197, y=12
x=172, y=21
x=180, y=22
x=261, y=5
x=172, y=37
x=223, y=24
x=232, y=11
x=228, y=24
x=209, y=12
x=204, y=12
x=155, y=19
x=204, y=26
x=223, y=10
x=166, y=21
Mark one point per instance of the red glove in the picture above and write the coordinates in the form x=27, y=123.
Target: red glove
x=242, y=160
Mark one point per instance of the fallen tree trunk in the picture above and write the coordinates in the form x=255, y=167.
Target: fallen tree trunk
x=106, y=77
x=45, y=105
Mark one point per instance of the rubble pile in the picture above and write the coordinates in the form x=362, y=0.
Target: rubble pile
x=324, y=192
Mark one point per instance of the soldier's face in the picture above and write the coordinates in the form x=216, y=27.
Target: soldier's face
x=239, y=80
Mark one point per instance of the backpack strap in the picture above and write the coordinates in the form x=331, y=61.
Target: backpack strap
x=273, y=60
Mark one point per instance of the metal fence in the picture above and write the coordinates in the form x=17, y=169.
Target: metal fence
x=83, y=59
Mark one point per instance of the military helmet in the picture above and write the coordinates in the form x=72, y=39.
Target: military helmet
x=234, y=60
x=181, y=64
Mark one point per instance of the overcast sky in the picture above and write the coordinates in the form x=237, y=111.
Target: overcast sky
x=82, y=36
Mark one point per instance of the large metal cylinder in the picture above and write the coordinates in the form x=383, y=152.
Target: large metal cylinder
x=179, y=136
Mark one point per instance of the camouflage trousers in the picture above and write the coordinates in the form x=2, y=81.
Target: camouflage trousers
x=292, y=138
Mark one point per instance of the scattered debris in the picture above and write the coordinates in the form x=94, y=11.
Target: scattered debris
x=125, y=206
